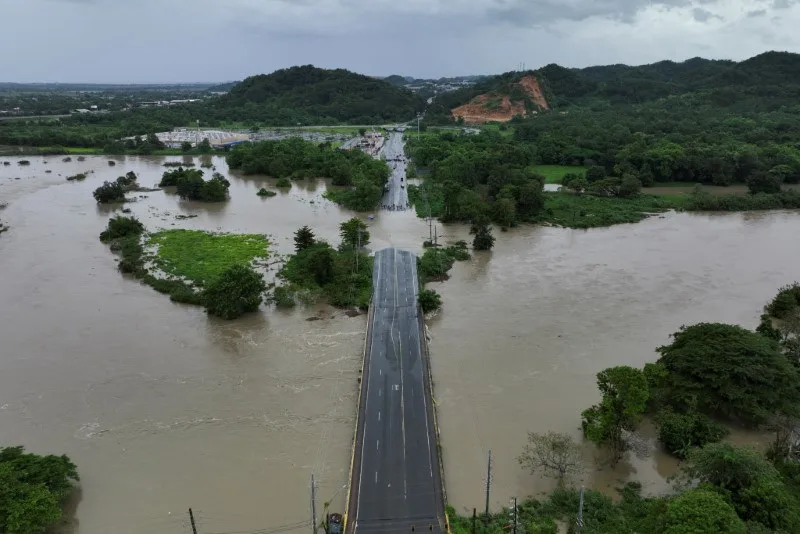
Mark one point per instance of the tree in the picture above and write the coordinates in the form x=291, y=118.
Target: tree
x=624, y=398
x=362, y=132
x=765, y=182
x=751, y=483
x=186, y=146
x=322, y=265
x=204, y=146
x=109, y=192
x=32, y=488
x=630, y=186
x=303, y=239
x=700, y=511
x=154, y=142
x=484, y=240
x=595, y=173
x=577, y=185
x=505, y=212
x=554, y=454
x=238, y=290
x=531, y=199
x=354, y=234
x=729, y=371
x=679, y=432
x=121, y=227
x=429, y=300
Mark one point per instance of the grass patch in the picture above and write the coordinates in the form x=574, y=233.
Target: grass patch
x=587, y=211
x=201, y=257
x=555, y=173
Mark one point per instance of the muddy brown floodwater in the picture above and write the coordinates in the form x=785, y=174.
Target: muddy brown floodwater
x=159, y=406
x=525, y=328
x=163, y=408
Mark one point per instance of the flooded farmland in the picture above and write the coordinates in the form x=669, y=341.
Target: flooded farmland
x=163, y=408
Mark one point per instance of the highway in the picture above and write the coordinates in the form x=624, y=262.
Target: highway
x=394, y=154
x=396, y=482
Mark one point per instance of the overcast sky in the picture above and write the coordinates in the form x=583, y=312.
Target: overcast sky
x=147, y=41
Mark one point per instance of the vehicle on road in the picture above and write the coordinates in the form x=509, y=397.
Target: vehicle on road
x=335, y=524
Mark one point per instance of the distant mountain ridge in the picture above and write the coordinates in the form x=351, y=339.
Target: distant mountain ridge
x=773, y=75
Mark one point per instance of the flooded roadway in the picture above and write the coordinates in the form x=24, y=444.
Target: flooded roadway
x=163, y=408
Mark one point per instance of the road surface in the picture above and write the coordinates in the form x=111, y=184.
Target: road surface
x=396, y=482
x=396, y=198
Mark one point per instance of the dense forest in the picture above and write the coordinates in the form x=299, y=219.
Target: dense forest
x=714, y=122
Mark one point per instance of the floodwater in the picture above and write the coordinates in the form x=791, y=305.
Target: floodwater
x=160, y=407
x=525, y=328
x=164, y=409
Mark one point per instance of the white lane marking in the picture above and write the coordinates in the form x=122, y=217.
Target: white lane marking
x=379, y=415
x=376, y=477
x=380, y=372
x=377, y=444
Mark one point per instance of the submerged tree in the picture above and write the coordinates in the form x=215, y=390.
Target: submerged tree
x=238, y=290
x=553, y=454
x=484, y=240
x=303, y=239
x=354, y=234
x=625, y=396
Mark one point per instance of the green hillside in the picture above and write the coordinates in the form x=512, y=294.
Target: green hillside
x=308, y=95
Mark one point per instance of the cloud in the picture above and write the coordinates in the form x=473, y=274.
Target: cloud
x=188, y=40
x=703, y=15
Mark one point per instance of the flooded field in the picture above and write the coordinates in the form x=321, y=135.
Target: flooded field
x=163, y=408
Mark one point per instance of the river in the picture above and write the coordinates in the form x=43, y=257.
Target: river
x=163, y=409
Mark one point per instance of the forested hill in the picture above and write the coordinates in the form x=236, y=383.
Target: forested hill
x=309, y=95
x=767, y=81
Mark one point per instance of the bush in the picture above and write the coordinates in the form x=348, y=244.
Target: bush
x=283, y=297
x=680, y=432
x=237, y=291
x=109, y=192
x=79, y=177
x=429, y=300
x=24, y=162
x=121, y=227
x=190, y=185
x=111, y=163
x=266, y=193
x=700, y=511
x=283, y=182
x=629, y=187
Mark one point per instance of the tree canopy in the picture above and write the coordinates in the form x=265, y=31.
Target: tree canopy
x=729, y=371
x=32, y=489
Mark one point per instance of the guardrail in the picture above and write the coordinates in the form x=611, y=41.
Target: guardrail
x=362, y=385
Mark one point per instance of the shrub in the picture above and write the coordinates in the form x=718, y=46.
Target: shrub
x=121, y=227
x=238, y=290
x=79, y=177
x=109, y=192
x=111, y=163
x=429, y=300
x=283, y=182
x=24, y=162
x=266, y=193
x=680, y=432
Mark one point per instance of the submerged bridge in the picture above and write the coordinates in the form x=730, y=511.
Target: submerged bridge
x=396, y=480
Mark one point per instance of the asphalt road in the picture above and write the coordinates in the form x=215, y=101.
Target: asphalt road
x=396, y=480
x=396, y=196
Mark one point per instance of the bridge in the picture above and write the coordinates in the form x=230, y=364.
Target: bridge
x=396, y=482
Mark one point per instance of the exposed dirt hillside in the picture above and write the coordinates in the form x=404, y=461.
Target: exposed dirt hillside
x=497, y=107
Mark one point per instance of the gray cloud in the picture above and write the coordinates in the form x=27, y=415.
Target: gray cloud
x=703, y=15
x=189, y=40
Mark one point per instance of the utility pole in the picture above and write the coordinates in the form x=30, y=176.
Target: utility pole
x=313, y=506
x=488, y=485
x=514, y=514
x=579, y=522
x=191, y=518
x=474, y=520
